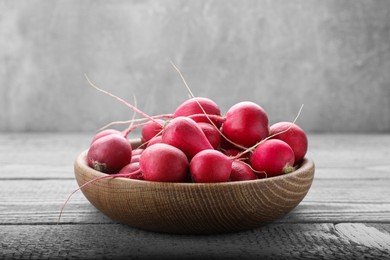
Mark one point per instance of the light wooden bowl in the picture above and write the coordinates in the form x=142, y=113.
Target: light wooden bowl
x=190, y=208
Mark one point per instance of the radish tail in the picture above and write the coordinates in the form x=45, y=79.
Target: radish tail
x=125, y=175
x=119, y=99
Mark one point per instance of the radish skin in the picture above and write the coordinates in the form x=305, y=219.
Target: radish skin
x=164, y=163
x=133, y=171
x=154, y=140
x=210, y=166
x=198, y=106
x=246, y=124
x=109, y=153
x=186, y=135
x=237, y=155
x=152, y=129
x=211, y=133
x=137, y=151
x=135, y=158
x=106, y=132
x=241, y=172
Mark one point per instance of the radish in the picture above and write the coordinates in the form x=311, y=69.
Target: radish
x=211, y=133
x=274, y=157
x=295, y=137
x=231, y=152
x=185, y=134
x=165, y=163
x=246, y=123
x=133, y=171
x=154, y=140
x=241, y=172
x=106, y=132
x=227, y=145
x=245, y=127
x=237, y=154
x=210, y=166
x=109, y=153
x=197, y=108
x=137, y=151
x=151, y=129
x=135, y=158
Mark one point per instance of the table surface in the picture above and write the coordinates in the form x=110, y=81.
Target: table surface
x=346, y=213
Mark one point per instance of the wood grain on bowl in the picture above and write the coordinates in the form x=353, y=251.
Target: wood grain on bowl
x=191, y=208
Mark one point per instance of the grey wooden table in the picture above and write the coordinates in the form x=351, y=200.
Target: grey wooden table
x=346, y=213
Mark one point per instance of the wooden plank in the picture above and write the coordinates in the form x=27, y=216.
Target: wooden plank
x=35, y=148
x=369, y=236
x=319, y=212
x=35, y=213
x=275, y=241
x=36, y=171
x=349, y=191
x=349, y=150
x=363, y=173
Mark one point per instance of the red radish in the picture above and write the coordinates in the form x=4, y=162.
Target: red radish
x=135, y=158
x=235, y=152
x=185, y=134
x=241, y=172
x=155, y=140
x=193, y=106
x=210, y=166
x=231, y=152
x=295, y=137
x=211, y=133
x=227, y=145
x=151, y=129
x=106, y=132
x=133, y=171
x=109, y=153
x=246, y=124
x=137, y=151
x=165, y=163
x=274, y=157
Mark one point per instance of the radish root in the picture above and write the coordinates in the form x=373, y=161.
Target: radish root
x=124, y=175
x=119, y=99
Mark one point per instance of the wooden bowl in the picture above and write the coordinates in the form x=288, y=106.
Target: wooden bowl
x=193, y=208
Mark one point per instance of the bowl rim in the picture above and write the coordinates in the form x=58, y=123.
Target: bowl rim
x=306, y=165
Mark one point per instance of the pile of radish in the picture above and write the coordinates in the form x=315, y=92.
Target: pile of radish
x=198, y=144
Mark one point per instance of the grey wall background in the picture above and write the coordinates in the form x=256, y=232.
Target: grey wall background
x=331, y=56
